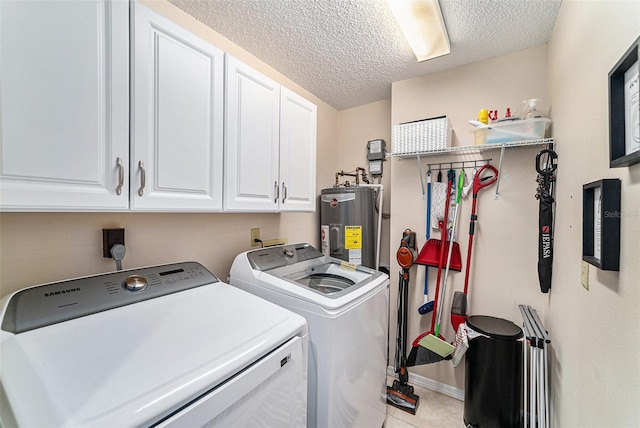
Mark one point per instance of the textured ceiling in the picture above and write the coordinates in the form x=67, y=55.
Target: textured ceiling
x=348, y=52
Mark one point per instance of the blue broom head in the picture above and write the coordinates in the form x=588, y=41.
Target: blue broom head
x=426, y=308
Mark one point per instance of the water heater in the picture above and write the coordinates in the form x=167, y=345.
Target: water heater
x=348, y=224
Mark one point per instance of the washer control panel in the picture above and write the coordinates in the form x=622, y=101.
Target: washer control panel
x=282, y=255
x=48, y=304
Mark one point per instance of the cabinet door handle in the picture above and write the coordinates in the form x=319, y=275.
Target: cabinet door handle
x=142, y=178
x=120, y=176
x=284, y=192
x=276, y=189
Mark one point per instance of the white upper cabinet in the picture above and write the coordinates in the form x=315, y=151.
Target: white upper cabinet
x=298, y=126
x=270, y=144
x=252, y=139
x=177, y=136
x=64, y=105
x=83, y=129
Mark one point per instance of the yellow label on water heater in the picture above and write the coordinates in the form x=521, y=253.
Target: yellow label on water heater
x=353, y=237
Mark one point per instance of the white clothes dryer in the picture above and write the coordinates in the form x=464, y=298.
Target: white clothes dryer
x=346, y=308
x=159, y=346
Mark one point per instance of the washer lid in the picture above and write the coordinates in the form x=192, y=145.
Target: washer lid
x=496, y=328
x=135, y=364
x=325, y=281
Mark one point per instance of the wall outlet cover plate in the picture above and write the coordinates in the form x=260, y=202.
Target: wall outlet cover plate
x=584, y=277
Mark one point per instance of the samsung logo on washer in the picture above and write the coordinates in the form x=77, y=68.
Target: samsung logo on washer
x=56, y=293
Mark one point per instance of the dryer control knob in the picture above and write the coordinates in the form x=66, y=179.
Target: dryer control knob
x=288, y=252
x=135, y=283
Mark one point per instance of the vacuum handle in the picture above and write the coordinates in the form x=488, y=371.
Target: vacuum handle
x=407, y=252
x=409, y=237
x=480, y=182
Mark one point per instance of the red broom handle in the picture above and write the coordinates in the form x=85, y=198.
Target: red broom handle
x=472, y=225
x=479, y=182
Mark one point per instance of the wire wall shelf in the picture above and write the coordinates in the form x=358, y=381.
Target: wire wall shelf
x=470, y=150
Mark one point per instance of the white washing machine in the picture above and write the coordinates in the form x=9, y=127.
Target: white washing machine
x=346, y=308
x=159, y=346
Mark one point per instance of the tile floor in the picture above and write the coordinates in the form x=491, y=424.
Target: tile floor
x=434, y=410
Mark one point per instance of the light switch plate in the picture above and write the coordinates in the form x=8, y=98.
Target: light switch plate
x=255, y=237
x=585, y=275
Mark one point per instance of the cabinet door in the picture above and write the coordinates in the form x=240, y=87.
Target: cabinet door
x=64, y=105
x=252, y=139
x=178, y=90
x=297, y=153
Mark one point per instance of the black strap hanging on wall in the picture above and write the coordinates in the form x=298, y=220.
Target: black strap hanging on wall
x=546, y=166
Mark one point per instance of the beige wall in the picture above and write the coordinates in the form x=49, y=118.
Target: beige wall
x=357, y=126
x=44, y=247
x=596, y=348
x=595, y=363
x=503, y=267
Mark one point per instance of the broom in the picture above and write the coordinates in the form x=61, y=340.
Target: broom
x=419, y=354
x=433, y=342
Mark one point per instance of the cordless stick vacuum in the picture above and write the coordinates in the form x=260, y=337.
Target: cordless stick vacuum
x=400, y=394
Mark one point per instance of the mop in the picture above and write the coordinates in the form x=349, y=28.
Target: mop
x=419, y=354
x=432, y=341
x=431, y=252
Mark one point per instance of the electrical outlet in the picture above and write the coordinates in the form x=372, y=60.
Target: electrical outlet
x=255, y=234
x=585, y=275
x=111, y=237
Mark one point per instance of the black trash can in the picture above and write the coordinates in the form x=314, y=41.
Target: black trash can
x=493, y=373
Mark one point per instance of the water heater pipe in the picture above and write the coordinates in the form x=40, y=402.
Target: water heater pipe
x=380, y=188
x=359, y=171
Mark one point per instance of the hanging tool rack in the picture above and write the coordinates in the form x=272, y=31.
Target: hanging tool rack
x=475, y=149
x=443, y=166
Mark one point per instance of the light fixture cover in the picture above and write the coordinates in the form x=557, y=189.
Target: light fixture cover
x=423, y=27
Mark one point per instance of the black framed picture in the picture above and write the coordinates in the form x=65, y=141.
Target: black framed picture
x=624, y=110
x=601, y=224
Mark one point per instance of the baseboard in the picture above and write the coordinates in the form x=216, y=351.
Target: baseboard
x=432, y=385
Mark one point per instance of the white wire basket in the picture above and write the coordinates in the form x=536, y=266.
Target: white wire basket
x=421, y=136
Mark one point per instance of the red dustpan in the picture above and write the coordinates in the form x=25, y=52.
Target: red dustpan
x=430, y=252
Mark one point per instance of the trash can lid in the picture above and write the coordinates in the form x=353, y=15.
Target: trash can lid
x=497, y=328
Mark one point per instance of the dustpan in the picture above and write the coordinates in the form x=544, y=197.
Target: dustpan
x=430, y=253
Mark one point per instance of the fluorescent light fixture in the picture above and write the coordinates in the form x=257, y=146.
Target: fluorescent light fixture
x=422, y=24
